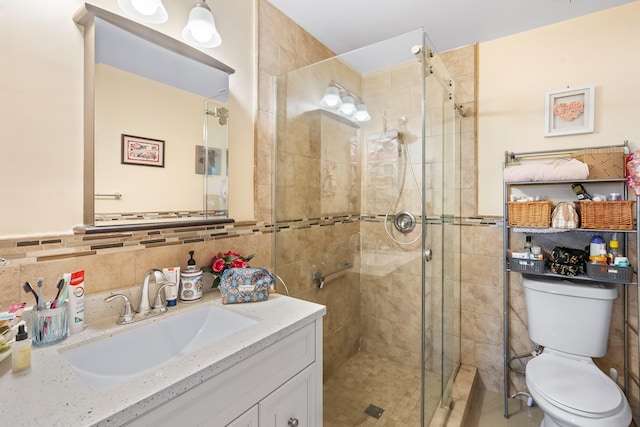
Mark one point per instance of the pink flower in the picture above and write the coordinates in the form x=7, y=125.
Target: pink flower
x=218, y=265
x=238, y=263
x=231, y=253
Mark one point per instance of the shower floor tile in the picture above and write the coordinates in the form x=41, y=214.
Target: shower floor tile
x=367, y=379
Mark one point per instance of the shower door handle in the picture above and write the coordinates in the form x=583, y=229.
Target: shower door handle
x=428, y=255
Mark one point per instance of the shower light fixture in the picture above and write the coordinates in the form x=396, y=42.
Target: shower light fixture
x=362, y=114
x=201, y=29
x=331, y=97
x=340, y=100
x=348, y=107
x=151, y=11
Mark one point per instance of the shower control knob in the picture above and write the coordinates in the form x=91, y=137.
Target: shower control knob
x=293, y=422
x=428, y=255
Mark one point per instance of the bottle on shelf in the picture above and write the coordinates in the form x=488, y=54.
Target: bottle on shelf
x=528, y=245
x=581, y=193
x=597, y=243
x=536, y=253
x=614, y=251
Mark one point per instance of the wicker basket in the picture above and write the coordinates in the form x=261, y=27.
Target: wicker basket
x=529, y=214
x=610, y=215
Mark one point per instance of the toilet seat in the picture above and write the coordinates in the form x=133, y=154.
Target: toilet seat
x=575, y=385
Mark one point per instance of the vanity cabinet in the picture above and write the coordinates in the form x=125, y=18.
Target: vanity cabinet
x=279, y=386
x=559, y=191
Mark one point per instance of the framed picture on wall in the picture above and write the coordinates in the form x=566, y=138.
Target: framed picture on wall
x=569, y=111
x=137, y=150
x=208, y=160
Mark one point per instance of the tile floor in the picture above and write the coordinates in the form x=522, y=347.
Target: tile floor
x=492, y=412
x=369, y=379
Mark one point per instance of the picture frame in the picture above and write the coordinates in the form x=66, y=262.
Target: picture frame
x=569, y=111
x=208, y=160
x=137, y=150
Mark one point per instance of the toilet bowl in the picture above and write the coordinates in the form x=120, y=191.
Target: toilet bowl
x=573, y=392
x=571, y=320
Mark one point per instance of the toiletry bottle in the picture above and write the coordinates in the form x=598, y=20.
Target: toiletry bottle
x=527, y=245
x=536, y=253
x=614, y=251
x=191, y=281
x=76, y=302
x=595, y=246
x=21, y=356
x=171, y=292
x=581, y=193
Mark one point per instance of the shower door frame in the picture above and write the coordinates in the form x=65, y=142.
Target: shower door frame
x=445, y=218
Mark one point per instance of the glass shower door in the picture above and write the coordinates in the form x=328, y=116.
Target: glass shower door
x=441, y=264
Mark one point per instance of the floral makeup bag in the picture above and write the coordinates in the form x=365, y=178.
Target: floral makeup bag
x=239, y=285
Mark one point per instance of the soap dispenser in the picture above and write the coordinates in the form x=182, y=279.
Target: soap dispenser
x=21, y=356
x=191, y=281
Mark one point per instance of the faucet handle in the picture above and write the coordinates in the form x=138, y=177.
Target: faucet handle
x=159, y=303
x=126, y=316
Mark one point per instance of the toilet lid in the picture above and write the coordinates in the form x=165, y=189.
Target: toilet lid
x=574, y=384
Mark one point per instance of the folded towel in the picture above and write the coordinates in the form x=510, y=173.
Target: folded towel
x=558, y=170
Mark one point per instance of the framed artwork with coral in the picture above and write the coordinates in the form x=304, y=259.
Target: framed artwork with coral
x=569, y=111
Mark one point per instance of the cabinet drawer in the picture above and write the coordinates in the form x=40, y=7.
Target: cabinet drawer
x=222, y=398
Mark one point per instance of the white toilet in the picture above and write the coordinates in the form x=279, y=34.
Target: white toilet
x=571, y=320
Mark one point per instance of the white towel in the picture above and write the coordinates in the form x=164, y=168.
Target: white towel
x=558, y=170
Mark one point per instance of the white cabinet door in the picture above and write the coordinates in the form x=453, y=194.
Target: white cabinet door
x=291, y=405
x=248, y=419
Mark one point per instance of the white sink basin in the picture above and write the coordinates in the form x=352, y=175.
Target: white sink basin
x=119, y=358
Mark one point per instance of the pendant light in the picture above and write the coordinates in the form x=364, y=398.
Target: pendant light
x=362, y=114
x=331, y=98
x=151, y=11
x=348, y=107
x=201, y=28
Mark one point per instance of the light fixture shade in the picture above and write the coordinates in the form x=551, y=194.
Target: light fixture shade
x=361, y=115
x=348, y=107
x=151, y=11
x=201, y=27
x=331, y=98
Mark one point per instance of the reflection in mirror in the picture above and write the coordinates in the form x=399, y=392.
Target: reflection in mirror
x=160, y=149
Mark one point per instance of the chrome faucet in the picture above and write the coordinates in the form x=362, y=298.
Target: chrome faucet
x=159, y=278
x=128, y=315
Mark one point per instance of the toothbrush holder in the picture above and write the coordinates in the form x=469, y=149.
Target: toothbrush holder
x=50, y=326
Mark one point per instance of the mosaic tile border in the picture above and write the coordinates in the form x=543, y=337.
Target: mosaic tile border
x=51, y=247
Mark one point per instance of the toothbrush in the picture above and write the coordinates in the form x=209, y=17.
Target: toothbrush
x=60, y=284
x=29, y=289
x=40, y=300
x=63, y=296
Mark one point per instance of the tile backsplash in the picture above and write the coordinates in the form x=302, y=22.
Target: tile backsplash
x=119, y=260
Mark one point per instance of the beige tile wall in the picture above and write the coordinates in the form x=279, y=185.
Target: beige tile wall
x=120, y=260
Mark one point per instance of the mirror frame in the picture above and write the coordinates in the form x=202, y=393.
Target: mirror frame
x=85, y=18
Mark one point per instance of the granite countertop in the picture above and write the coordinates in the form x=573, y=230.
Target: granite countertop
x=51, y=393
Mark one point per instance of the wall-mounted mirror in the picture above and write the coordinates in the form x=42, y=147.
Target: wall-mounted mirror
x=156, y=138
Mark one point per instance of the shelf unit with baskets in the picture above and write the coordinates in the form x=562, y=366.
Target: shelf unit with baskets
x=611, y=219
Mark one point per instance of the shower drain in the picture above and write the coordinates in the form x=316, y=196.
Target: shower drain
x=374, y=411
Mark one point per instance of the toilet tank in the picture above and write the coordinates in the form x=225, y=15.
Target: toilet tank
x=571, y=317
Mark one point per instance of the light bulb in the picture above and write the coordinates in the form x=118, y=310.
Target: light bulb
x=201, y=31
x=152, y=11
x=201, y=27
x=361, y=115
x=331, y=97
x=145, y=7
x=348, y=107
